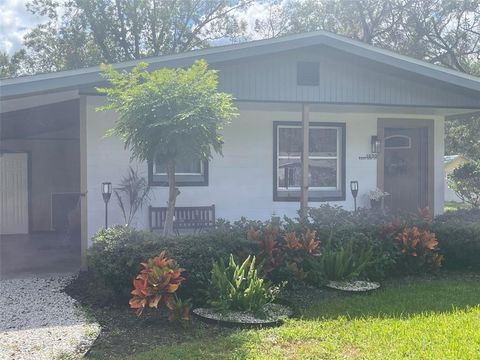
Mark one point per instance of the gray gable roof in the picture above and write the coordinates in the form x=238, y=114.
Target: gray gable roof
x=71, y=79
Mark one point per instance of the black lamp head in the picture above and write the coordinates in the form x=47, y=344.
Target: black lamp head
x=354, y=188
x=106, y=190
x=375, y=144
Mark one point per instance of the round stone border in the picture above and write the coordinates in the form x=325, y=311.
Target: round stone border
x=353, y=286
x=275, y=314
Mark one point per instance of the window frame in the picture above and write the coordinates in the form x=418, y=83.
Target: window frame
x=181, y=179
x=316, y=194
x=202, y=168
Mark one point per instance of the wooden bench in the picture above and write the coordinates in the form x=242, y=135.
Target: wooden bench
x=193, y=218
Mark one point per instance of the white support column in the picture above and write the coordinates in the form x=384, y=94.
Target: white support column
x=305, y=153
x=83, y=182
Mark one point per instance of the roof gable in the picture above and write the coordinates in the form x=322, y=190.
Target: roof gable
x=90, y=76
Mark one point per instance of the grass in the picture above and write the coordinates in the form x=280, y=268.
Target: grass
x=412, y=319
x=454, y=206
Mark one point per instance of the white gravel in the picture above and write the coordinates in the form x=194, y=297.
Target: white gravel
x=38, y=321
x=353, y=286
x=272, y=313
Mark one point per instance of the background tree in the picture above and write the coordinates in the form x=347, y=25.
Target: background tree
x=463, y=136
x=170, y=114
x=10, y=66
x=82, y=33
x=86, y=32
x=442, y=32
x=465, y=181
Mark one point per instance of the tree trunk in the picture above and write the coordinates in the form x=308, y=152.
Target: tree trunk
x=172, y=197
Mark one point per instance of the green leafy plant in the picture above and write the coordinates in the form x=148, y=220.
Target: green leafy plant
x=238, y=286
x=180, y=310
x=345, y=261
x=132, y=194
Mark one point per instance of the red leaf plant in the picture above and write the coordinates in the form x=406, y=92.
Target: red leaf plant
x=156, y=284
x=268, y=249
x=425, y=214
x=306, y=242
x=412, y=240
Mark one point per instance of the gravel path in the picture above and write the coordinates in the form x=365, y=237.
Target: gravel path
x=39, y=321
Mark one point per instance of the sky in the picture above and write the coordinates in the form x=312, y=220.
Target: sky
x=17, y=21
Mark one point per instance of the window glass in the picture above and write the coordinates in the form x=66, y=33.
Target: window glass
x=290, y=141
x=398, y=142
x=323, y=142
x=289, y=173
x=323, y=173
x=182, y=166
x=324, y=157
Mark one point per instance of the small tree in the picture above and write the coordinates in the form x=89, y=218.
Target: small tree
x=170, y=113
x=465, y=181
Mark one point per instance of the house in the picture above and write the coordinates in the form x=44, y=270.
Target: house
x=451, y=163
x=372, y=116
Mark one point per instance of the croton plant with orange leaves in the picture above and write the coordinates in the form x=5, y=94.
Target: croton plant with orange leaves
x=305, y=242
x=413, y=241
x=156, y=284
x=283, y=254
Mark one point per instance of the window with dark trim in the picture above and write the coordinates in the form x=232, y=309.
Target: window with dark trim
x=188, y=172
x=326, y=161
x=308, y=73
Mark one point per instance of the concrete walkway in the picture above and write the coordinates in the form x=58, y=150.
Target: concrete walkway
x=39, y=321
x=38, y=253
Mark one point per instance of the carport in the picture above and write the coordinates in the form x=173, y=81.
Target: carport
x=39, y=186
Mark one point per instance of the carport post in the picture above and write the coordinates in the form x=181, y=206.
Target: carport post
x=83, y=182
x=305, y=154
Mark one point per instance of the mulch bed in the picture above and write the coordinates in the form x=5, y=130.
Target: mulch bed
x=124, y=333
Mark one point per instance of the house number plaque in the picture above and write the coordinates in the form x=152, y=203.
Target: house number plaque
x=368, y=157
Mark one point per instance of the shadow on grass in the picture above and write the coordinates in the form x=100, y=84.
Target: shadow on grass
x=397, y=299
x=219, y=348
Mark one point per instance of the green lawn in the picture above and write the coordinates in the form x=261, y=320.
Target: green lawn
x=410, y=319
x=453, y=206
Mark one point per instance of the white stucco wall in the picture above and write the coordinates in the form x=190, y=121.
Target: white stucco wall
x=240, y=182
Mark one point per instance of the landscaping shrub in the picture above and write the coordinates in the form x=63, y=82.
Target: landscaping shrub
x=419, y=250
x=329, y=243
x=116, y=253
x=157, y=284
x=344, y=261
x=239, y=286
x=114, y=260
x=283, y=255
x=458, y=233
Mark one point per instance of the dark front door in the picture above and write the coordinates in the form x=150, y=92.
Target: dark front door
x=406, y=168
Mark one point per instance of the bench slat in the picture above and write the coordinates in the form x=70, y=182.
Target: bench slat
x=196, y=217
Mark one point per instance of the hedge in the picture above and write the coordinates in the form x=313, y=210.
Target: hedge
x=116, y=254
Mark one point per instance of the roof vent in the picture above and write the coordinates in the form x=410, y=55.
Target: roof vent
x=308, y=73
